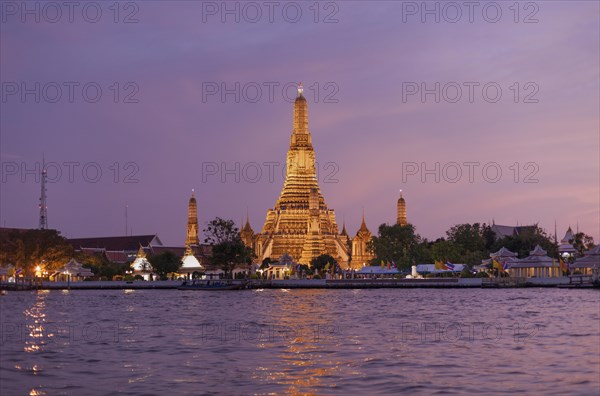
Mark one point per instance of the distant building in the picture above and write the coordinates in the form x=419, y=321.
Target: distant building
x=566, y=248
x=401, y=211
x=502, y=231
x=119, y=249
x=300, y=224
x=192, y=235
x=190, y=262
x=361, y=255
x=141, y=266
x=136, y=249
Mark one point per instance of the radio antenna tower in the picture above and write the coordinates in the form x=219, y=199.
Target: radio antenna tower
x=43, y=204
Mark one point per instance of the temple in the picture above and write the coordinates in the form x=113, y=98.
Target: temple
x=190, y=263
x=300, y=227
x=566, y=248
x=401, y=215
x=192, y=225
x=300, y=224
x=361, y=254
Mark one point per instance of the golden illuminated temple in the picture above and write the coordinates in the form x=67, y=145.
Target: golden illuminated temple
x=300, y=224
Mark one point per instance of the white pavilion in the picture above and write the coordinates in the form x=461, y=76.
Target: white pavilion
x=537, y=265
x=141, y=266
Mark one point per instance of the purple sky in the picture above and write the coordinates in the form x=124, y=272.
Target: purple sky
x=366, y=138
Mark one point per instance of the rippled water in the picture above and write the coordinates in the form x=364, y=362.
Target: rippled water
x=300, y=341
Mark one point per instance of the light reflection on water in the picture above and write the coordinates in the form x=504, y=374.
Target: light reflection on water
x=300, y=341
x=35, y=318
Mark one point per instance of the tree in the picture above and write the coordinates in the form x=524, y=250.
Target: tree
x=228, y=249
x=442, y=250
x=582, y=242
x=526, y=240
x=319, y=263
x=399, y=244
x=27, y=249
x=470, y=242
x=306, y=269
x=100, y=265
x=220, y=230
x=266, y=263
x=165, y=263
x=468, y=237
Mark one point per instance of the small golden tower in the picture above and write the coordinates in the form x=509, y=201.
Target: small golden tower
x=192, y=238
x=401, y=211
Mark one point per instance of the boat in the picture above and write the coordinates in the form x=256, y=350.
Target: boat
x=212, y=285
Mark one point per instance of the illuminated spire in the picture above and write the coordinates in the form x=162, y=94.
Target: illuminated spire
x=401, y=211
x=192, y=224
x=301, y=117
x=344, y=232
x=247, y=226
x=300, y=224
x=363, y=225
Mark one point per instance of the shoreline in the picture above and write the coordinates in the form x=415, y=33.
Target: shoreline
x=454, y=283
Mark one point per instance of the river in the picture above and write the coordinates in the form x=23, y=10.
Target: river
x=368, y=341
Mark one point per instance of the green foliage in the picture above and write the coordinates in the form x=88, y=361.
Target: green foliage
x=307, y=270
x=470, y=243
x=220, y=230
x=165, y=263
x=399, y=244
x=28, y=248
x=582, y=242
x=482, y=275
x=470, y=237
x=228, y=249
x=318, y=264
x=100, y=265
x=443, y=250
x=266, y=263
x=466, y=273
x=526, y=241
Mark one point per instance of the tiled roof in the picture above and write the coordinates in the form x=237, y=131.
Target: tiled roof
x=502, y=231
x=117, y=257
x=121, y=243
x=199, y=250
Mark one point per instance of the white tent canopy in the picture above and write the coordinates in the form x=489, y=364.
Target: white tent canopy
x=191, y=263
x=374, y=270
x=430, y=268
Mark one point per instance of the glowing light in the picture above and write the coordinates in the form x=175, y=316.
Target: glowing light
x=300, y=89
